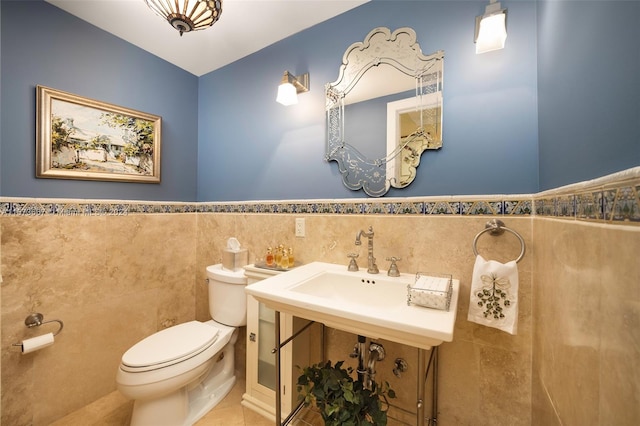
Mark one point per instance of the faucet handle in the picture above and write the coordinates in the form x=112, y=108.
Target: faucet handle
x=353, y=266
x=393, y=268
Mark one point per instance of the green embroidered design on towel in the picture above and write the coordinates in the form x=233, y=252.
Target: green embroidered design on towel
x=494, y=295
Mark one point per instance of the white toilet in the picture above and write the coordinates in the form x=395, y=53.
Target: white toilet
x=179, y=374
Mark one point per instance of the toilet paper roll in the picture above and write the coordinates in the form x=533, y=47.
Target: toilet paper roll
x=37, y=343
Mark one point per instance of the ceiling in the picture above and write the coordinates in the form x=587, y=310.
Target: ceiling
x=245, y=27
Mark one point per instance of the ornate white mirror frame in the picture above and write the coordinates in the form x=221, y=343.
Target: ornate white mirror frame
x=387, y=70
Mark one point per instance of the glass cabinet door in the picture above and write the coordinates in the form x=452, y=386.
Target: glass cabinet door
x=266, y=343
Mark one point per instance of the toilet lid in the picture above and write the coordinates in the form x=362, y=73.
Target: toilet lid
x=171, y=345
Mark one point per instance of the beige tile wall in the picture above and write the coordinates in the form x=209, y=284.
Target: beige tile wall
x=116, y=279
x=112, y=279
x=482, y=371
x=0, y=319
x=586, y=358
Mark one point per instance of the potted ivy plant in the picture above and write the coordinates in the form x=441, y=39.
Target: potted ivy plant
x=341, y=400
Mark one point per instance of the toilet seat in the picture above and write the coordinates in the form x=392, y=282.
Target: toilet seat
x=169, y=346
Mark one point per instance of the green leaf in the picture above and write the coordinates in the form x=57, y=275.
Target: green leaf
x=349, y=396
x=343, y=401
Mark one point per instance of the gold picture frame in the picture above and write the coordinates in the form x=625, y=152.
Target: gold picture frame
x=81, y=138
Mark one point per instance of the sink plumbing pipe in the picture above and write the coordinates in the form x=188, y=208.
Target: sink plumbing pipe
x=359, y=352
x=367, y=368
x=376, y=353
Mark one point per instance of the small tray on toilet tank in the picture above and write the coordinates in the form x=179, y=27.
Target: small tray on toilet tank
x=430, y=290
x=263, y=265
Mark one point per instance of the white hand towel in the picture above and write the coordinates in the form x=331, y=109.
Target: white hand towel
x=494, y=295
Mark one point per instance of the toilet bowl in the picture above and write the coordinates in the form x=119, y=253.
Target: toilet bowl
x=179, y=374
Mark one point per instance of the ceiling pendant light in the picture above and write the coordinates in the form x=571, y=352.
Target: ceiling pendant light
x=187, y=15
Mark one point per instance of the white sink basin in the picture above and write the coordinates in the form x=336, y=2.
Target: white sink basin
x=373, y=305
x=351, y=288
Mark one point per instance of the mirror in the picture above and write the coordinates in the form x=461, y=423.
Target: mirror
x=392, y=94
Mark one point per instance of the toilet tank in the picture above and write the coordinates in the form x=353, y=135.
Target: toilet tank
x=227, y=299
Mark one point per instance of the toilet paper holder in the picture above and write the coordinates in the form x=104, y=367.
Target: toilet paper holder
x=36, y=320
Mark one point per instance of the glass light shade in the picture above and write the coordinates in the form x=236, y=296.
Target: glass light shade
x=187, y=15
x=287, y=94
x=492, y=33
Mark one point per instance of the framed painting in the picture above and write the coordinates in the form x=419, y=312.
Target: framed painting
x=81, y=138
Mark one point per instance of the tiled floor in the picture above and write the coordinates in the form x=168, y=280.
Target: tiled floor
x=115, y=410
x=230, y=413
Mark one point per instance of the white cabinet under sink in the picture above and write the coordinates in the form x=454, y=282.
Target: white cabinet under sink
x=261, y=361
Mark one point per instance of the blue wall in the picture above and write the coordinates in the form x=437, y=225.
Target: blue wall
x=276, y=152
x=560, y=104
x=588, y=89
x=44, y=45
x=0, y=100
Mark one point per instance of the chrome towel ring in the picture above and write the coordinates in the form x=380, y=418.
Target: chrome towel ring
x=496, y=227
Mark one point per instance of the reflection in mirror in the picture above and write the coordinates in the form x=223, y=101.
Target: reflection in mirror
x=411, y=131
x=385, y=80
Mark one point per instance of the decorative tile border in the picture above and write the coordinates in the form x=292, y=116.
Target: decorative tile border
x=34, y=207
x=611, y=199
x=427, y=206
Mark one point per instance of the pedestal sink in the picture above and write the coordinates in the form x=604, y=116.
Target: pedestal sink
x=373, y=305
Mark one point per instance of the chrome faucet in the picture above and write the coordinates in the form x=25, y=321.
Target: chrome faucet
x=372, y=267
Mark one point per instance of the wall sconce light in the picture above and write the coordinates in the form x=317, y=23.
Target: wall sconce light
x=491, y=28
x=290, y=87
